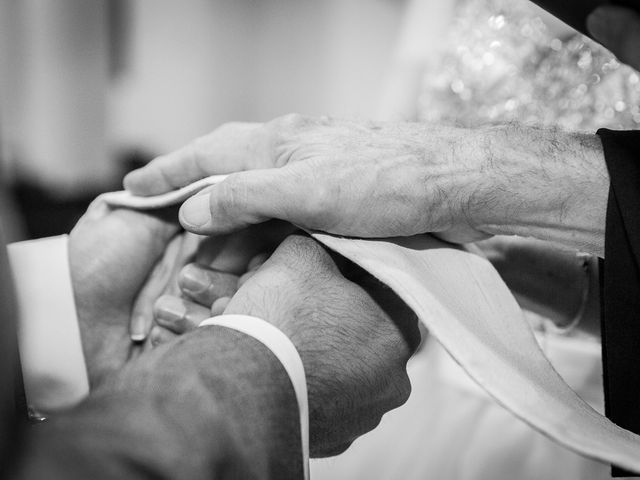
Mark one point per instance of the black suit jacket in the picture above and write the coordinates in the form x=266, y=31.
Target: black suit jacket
x=620, y=282
x=12, y=405
x=214, y=404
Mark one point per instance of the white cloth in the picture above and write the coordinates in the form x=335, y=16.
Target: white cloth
x=466, y=306
x=49, y=342
x=451, y=429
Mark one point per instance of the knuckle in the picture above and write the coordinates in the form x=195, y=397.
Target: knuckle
x=155, y=336
x=229, y=128
x=300, y=252
x=292, y=136
x=298, y=241
x=402, y=390
x=319, y=205
x=163, y=175
x=198, y=150
x=290, y=121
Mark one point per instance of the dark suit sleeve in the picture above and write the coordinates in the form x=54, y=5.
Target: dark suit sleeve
x=620, y=282
x=214, y=404
x=12, y=404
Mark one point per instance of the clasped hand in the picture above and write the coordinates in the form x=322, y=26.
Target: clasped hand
x=353, y=334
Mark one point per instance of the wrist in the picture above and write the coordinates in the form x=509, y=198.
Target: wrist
x=542, y=183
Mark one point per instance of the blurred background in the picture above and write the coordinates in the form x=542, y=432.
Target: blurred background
x=90, y=88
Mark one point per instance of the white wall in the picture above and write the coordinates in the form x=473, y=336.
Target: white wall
x=198, y=63
x=190, y=66
x=53, y=81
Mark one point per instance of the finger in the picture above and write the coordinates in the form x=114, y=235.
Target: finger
x=166, y=173
x=257, y=261
x=142, y=311
x=160, y=335
x=243, y=279
x=219, y=306
x=298, y=262
x=618, y=29
x=230, y=148
x=188, y=249
x=204, y=285
x=461, y=235
x=232, y=253
x=179, y=315
x=255, y=196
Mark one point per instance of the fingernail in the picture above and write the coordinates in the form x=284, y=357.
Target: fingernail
x=155, y=336
x=171, y=309
x=139, y=329
x=243, y=279
x=132, y=180
x=193, y=280
x=257, y=261
x=129, y=178
x=195, y=211
x=219, y=306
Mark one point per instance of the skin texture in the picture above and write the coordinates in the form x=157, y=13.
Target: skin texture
x=227, y=259
x=547, y=280
x=111, y=254
x=353, y=334
x=354, y=354
x=392, y=179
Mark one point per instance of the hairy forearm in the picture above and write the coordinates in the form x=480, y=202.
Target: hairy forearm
x=540, y=183
x=550, y=281
x=214, y=404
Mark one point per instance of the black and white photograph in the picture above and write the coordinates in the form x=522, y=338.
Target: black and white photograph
x=319, y=239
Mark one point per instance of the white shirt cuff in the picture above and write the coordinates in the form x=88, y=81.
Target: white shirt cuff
x=284, y=350
x=53, y=364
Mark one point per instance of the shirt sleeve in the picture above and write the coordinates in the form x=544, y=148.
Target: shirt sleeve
x=620, y=282
x=53, y=364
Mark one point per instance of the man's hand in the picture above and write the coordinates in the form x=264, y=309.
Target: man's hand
x=383, y=179
x=354, y=337
x=111, y=254
x=360, y=179
x=221, y=264
x=618, y=29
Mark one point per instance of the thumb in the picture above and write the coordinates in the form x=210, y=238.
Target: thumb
x=248, y=198
x=618, y=29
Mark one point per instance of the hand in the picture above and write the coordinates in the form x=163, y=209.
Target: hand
x=111, y=253
x=618, y=29
x=385, y=179
x=558, y=284
x=220, y=265
x=206, y=292
x=354, y=338
x=361, y=179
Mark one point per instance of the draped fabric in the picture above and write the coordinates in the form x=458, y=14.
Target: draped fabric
x=451, y=429
x=464, y=303
x=621, y=282
x=466, y=306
